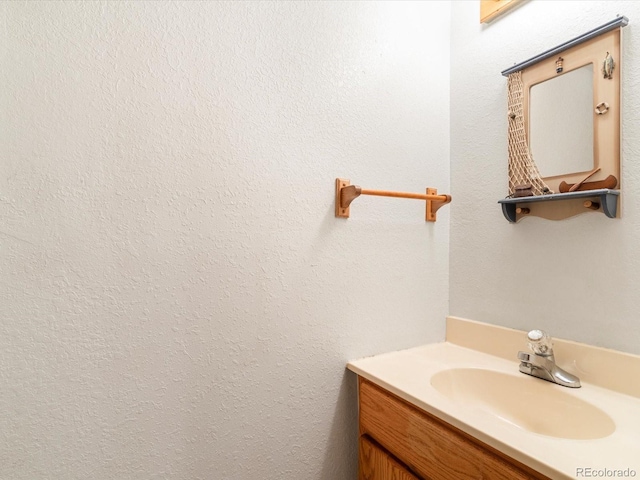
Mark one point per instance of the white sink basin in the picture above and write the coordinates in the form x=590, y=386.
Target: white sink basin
x=530, y=403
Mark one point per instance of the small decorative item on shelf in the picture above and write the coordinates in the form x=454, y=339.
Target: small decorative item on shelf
x=525, y=190
x=610, y=182
x=559, y=66
x=589, y=175
x=607, y=66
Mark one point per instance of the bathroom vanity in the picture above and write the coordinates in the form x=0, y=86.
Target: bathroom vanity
x=400, y=441
x=461, y=410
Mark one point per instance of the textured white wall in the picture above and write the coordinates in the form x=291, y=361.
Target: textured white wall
x=177, y=299
x=577, y=277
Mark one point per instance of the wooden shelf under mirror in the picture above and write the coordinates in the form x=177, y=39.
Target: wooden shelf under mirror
x=574, y=203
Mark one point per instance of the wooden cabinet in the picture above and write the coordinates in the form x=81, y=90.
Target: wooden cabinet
x=399, y=441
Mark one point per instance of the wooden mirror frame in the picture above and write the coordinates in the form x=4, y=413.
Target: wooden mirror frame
x=606, y=126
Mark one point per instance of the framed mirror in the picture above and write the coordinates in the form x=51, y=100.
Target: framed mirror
x=572, y=113
x=564, y=128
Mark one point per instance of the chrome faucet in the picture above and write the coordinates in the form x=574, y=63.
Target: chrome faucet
x=542, y=364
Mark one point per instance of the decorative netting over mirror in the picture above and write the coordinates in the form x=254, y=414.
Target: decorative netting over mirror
x=522, y=169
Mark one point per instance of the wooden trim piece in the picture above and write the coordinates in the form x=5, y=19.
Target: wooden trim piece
x=489, y=9
x=430, y=447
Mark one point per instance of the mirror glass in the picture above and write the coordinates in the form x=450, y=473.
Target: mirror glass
x=561, y=123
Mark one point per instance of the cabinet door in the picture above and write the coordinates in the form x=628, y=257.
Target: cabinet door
x=376, y=464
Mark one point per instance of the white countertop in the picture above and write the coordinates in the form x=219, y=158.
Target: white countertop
x=407, y=374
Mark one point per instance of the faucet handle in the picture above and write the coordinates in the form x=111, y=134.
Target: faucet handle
x=524, y=357
x=540, y=342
